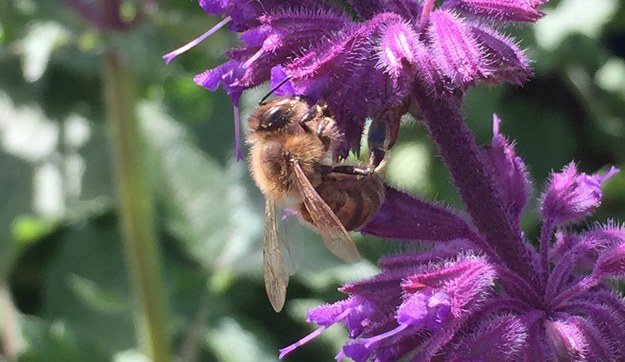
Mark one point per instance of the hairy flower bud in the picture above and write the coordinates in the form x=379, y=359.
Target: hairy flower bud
x=572, y=196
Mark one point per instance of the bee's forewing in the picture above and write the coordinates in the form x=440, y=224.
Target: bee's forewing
x=334, y=235
x=291, y=239
x=275, y=270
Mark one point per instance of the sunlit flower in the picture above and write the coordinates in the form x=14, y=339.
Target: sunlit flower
x=459, y=301
x=482, y=291
x=368, y=65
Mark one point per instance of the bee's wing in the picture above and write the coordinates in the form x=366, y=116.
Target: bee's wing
x=291, y=239
x=334, y=235
x=275, y=270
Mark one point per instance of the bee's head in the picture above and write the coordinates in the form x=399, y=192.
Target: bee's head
x=276, y=114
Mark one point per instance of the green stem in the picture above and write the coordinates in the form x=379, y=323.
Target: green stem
x=135, y=206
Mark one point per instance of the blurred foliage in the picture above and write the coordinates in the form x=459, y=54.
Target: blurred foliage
x=60, y=251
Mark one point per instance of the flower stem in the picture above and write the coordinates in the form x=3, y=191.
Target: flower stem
x=460, y=152
x=135, y=209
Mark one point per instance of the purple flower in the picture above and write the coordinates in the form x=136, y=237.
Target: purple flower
x=462, y=301
x=372, y=65
x=571, y=196
x=482, y=291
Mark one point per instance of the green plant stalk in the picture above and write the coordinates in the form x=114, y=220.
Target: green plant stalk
x=142, y=255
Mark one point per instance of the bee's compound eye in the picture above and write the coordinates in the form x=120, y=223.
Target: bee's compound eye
x=276, y=117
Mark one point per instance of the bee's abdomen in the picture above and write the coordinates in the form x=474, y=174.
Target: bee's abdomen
x=353, y=200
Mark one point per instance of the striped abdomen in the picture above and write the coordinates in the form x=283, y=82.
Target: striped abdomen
x=354, y=199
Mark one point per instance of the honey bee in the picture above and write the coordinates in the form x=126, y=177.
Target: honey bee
x=353, y=199
x=291, y=160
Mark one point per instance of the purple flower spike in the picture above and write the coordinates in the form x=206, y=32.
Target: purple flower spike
x=459, y=300
x=571, y=197
x=386, y=55
x=480, y=290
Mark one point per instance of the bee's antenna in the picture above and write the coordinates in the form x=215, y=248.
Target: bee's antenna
x=262, y=101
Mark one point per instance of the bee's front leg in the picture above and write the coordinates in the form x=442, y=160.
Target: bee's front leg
x=377, y=141
x=316, y=111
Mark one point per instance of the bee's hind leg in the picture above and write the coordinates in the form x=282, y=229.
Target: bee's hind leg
x=347, y=170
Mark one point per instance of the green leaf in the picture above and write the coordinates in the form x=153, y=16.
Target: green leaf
x=96, y=297
x=231, y=343
x=206, y=204
x=87, y=285
x=56, y=342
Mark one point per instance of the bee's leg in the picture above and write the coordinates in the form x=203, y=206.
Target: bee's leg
x=307, y=118
x=350, y=170
x=343, y=169
x=315, y=111
x=377, y=140
x=324, y=132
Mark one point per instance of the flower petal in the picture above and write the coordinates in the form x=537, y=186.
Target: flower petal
x=611, y=264
x=508, y=171
x=503, y=58
x=499, y=338
x=216, y=7
x=398, y=45
x=455, y=50
x=502, y=10
x=613, y=332
x=404, y=217
x=598, y=347
x=228, y=75
x=572, y=196
x=569, y=341
x=463, y=280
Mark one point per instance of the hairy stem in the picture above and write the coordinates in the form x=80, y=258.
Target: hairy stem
x=460, y=152
x=136, y=210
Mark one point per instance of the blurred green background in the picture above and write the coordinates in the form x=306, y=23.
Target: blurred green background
x=64, y=286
